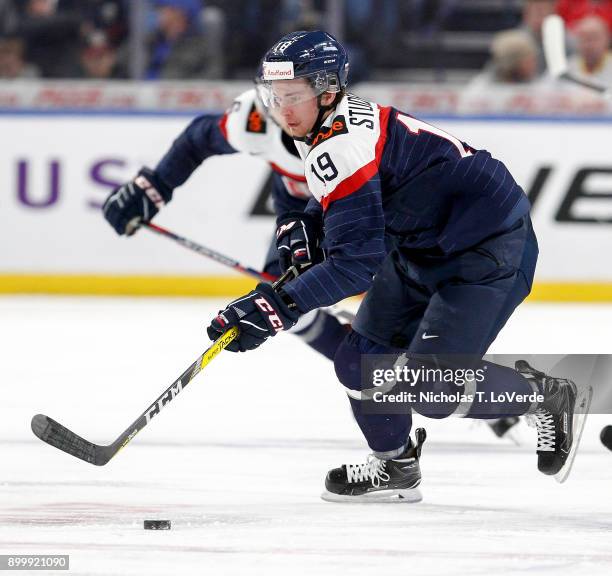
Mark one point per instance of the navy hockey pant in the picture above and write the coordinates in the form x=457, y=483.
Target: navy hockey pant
x=436, y=305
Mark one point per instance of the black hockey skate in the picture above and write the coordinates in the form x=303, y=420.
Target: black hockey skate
x=378, y=480
x=559, y=420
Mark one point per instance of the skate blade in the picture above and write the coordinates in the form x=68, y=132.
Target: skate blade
x=583, y=403
x=399, y=496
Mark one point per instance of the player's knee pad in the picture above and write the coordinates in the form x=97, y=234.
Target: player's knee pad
x=347, y=361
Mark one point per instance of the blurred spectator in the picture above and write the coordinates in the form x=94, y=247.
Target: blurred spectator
x=107, y=16
x=572, y=11
x=514, y=57
x=99, y=59
x=52, y=38
x=514, y=60
x=178, y=48
x=534, y=13
x=12, y=63
x=513, y=68
x=593, y=58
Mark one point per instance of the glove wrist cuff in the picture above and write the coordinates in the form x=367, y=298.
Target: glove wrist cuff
x=287, y=307
x=156, y=183
x=288, y=301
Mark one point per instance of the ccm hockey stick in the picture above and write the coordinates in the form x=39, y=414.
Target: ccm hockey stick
x=204, y=251
x=553, y=38
x=226, y=261
x=57, y=435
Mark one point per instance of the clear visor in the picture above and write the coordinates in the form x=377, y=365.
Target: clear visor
x=275, y=94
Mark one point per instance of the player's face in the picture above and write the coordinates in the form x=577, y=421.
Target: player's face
x=277, y=117
x=294, y=104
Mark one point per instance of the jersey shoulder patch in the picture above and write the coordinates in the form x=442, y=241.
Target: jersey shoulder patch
x=256, y=121
x=245, y=125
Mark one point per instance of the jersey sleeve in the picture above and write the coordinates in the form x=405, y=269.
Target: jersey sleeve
x=354, y=225
x=204, y=137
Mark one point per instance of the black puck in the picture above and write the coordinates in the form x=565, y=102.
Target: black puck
x=157, y=524
x=606, y=437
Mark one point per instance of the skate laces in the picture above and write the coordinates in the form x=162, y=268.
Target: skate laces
x=544, y=423
x=373, y=469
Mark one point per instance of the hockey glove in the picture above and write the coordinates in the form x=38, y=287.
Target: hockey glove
x=298, y=240
x=258, y=315
x=135, y=202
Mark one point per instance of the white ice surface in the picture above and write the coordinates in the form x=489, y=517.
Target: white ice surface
x=237, y=461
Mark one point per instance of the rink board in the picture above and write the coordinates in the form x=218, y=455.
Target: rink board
x=60, y=167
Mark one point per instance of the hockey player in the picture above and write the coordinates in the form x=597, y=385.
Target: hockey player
x=439, y=235
x=243, y=128
x=251, y=128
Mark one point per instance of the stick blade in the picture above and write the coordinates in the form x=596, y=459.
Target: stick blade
x=553, y=38
x=58, y=436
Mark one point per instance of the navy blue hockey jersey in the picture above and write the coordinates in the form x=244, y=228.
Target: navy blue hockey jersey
x=386, y=179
